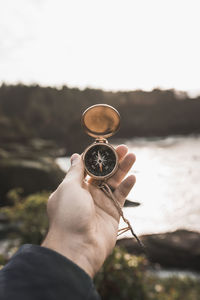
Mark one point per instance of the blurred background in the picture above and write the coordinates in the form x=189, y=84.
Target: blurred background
x=59, y=57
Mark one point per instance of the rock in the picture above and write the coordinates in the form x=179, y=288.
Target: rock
x=8, y=247
x=33, y=148
x=179, y=249
x=8, y=229
x=31, y=175
x=3, y=153
x=129, y=203
x=3, y=218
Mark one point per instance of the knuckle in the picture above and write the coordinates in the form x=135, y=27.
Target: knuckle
x=121, y=193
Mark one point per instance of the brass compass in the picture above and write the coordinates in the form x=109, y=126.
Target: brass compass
x=100, y=158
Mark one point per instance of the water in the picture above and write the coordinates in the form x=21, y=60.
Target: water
x=168, y=184
x=181, y=274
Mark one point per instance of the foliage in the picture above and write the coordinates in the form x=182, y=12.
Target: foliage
x=172, y=288
x=124, y=277
x=2, y=260
x=28, y=112
x=29, y=216
x=121, y=277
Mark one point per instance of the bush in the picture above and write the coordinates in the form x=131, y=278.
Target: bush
x=172, y=288
x=29, y=216
x=122, y=277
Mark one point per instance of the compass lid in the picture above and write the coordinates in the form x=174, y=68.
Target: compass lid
x=101, y=120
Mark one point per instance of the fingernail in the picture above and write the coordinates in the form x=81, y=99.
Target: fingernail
x=74, y=159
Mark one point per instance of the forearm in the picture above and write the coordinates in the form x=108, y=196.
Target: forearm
x=82, y=252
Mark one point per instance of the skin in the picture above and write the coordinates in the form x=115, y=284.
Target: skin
x=83, y=221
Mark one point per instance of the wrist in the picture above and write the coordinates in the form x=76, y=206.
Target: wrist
x=74, y=248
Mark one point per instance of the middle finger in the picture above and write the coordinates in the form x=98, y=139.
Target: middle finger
x=123, y=168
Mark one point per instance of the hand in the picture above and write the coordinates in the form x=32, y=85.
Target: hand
x=83, y=221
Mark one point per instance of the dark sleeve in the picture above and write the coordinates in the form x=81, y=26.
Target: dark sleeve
x=36, y=272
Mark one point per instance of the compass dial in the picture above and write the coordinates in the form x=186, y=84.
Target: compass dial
x=100, y=160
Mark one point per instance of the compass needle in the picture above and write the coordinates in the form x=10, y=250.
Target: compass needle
x=100, y=166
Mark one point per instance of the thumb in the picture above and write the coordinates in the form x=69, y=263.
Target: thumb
x=76, y=170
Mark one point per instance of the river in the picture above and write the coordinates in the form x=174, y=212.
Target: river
x=168, y=184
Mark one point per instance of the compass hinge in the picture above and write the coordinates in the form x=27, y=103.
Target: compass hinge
x=101, y=140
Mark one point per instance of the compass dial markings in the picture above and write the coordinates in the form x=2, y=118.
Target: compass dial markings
x=100, y=160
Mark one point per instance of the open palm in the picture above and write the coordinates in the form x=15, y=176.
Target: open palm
x=80, y=212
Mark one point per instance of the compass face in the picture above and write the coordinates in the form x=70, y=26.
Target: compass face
x=100, y=161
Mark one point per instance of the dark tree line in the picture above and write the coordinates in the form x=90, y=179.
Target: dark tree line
x=28, y=112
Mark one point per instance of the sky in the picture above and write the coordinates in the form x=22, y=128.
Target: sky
x=109, y=44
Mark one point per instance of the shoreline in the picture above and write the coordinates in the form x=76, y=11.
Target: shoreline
x=172, y=250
